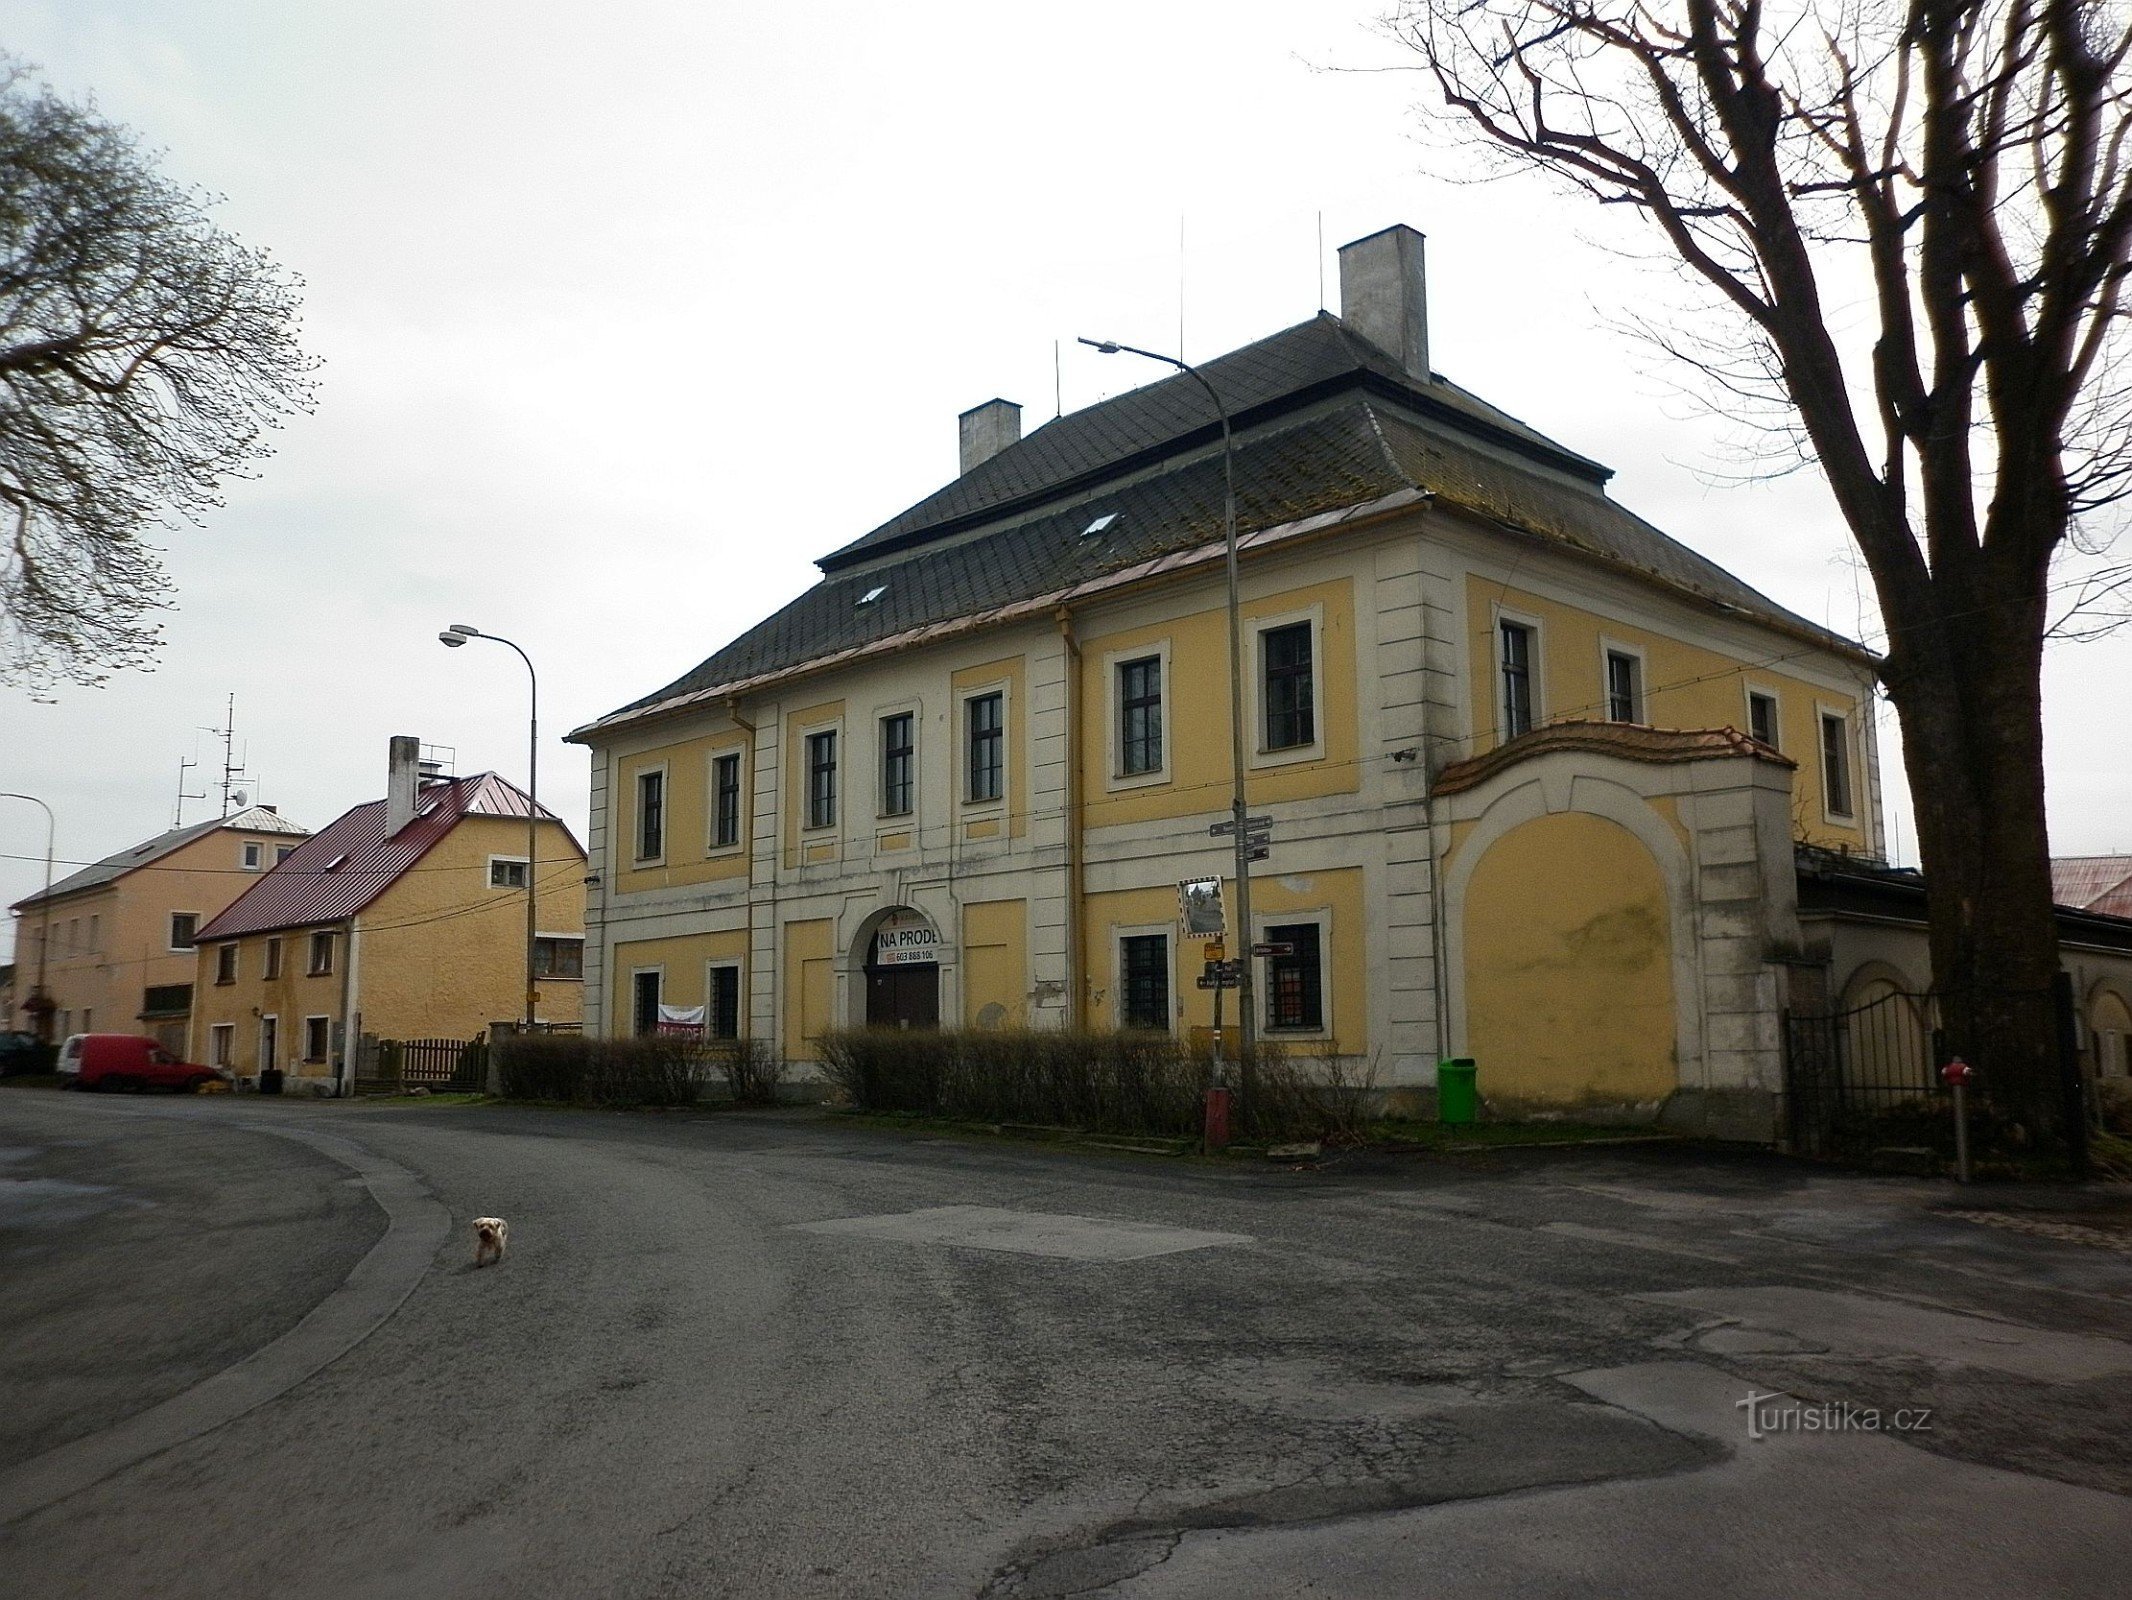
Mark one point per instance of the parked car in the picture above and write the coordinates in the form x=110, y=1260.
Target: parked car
x=127, y=1061
x=20, y=1052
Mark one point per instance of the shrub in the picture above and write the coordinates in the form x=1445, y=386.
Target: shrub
x=752, y=1071
x=655, y=1071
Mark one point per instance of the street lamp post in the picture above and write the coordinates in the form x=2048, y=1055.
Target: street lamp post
x=1247, y=1012
x=43, y=1010
x=453, y=637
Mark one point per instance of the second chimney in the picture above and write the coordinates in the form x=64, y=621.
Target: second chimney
x=1384, y=296
x=988, y=429
x=403, y=781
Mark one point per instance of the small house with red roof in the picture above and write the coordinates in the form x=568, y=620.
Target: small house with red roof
x=405, y=918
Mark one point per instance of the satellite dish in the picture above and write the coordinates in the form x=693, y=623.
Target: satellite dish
x=240, y=797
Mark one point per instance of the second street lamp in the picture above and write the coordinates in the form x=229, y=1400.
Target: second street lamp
x=453, y=637
x=1247, y=1012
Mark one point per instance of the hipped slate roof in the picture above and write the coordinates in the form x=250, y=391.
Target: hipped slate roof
x=340, y=870
x=256, y=819
x=1323, y=421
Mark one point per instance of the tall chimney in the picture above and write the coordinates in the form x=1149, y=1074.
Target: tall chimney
x=988, y=429
x=1384, y=296
x=403, y=769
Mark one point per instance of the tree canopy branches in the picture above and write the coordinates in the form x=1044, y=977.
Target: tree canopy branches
x=144, y=353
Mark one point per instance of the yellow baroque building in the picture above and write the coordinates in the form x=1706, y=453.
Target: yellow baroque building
x=1536, y=771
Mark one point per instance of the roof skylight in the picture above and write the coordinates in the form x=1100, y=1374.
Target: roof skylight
x=1100, y=523
x=334, y=865
x=871, y=595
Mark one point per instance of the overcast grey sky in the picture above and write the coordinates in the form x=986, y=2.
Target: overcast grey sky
x=631, y=310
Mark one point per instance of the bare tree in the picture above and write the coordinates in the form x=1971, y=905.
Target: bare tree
x=1919, y=212
x=143, y=354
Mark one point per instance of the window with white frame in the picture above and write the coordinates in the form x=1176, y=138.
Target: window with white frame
x=507, y=872
x=269, y=1042
x=321, y=954
x=318, y=1038
x=282, y=852
x=226, y=963
x=183, y=925
x=899, y=764
x=273, y=959
x=1836, y=763
x=254, y=855
x=721, y=1015
x=1140, y=716
x=644, y=988
x=558, y=956
x=651, y=815
x=1144, y=981
x=222, y=1045
x=1762, y=719
x=1288, y=695
x=986, y=720
x=822, y=779
x=1624, y=686
x=1295, y=978
x=1515, y=652
x=725, y=800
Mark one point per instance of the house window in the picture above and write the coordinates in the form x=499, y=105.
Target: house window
x=183, y=925
x=651, y=815
x=644, y=1009
x=254, y=853
x=722, y=1010
x=899, y=758
x=282, y=852
x=1516, y=650
x=318, y=1035
x=725, y=801
x=1140, y=716
x=273, y=958
x=226, y=964
x=321, y=954
x=1144, y=976
x=166, y=1000
x=558, y=957
x=96, y=932
x=1295, y=982
x=222, y=1045
x=1624, y=687
x=1836, y=763
x=269, y=1042
x=1762, y=718
x=822, y=779
x=988, y=746
x=1290, y=687
x=507, y=872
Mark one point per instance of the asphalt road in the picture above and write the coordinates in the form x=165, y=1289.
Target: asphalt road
x=245, y=1353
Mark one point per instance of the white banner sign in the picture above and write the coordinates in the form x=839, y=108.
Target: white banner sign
x=906, y=942
x=680, y=1019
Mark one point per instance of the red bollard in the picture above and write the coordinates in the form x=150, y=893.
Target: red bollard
x=1217, y=1123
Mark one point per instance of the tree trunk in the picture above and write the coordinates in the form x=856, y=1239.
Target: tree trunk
x=1966, y=679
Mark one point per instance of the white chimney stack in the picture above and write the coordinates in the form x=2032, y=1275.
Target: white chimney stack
x=988, y=429
x=1384, y=296
x=403, y=781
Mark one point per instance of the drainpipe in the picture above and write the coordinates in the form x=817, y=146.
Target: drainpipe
x=747, y=808
x=1075, y=999
x=345, y=1084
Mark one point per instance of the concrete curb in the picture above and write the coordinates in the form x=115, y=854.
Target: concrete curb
x=416, y=1225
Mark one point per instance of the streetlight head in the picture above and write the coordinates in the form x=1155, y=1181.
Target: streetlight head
x=465, y=630
x=1107, y=346
x=455, y=640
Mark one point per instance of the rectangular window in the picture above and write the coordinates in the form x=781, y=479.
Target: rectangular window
x=651, y=816
x=988, y=746
x=725, y=801
x=899, y=761
x=96, y=932
x=558, y=958
x=222, y=1044
x=1624, y=687
x=1517, y=678
x=1144, y=962
x=269, y=1042
x=282, y=852
x=507, y=872
x=273, y=958
x=722, y=1013
x=1836, y=763
x=166, y=1000
x=1290, y=687
x=1295, y=982
x=1140, y=716
x=318, y=1035
x=226, y=964
x=183, y=925
x=644, y=1009
x=822, y=779
x=321, y=954
x=1762, y=718
x=254, y=853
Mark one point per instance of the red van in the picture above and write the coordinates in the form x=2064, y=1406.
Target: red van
x=127, y=1061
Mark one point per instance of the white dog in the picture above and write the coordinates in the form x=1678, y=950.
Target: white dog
x=490, y=1236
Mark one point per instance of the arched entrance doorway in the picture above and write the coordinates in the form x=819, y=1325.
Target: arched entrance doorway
x=901, y=959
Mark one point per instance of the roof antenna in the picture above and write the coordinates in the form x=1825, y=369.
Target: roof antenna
x=177, y=819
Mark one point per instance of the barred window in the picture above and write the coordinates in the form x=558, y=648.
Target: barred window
x=1295, y=982
x=725, y=795
x=723, y=1012
x=651, y=815
x=1140, y=716
x=1517, y=678
x=822, y=779
x=1145, y=960
x=1290, y=688
x=898, y=764
x=988, y=746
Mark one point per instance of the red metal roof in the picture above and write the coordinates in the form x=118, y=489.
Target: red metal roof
x=346, y=865
x=2094, y=883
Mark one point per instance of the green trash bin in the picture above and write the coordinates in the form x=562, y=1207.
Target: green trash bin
x=1458, y=1098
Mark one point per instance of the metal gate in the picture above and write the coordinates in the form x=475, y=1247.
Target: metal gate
x=442, y=1066
x=1863, y=1077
